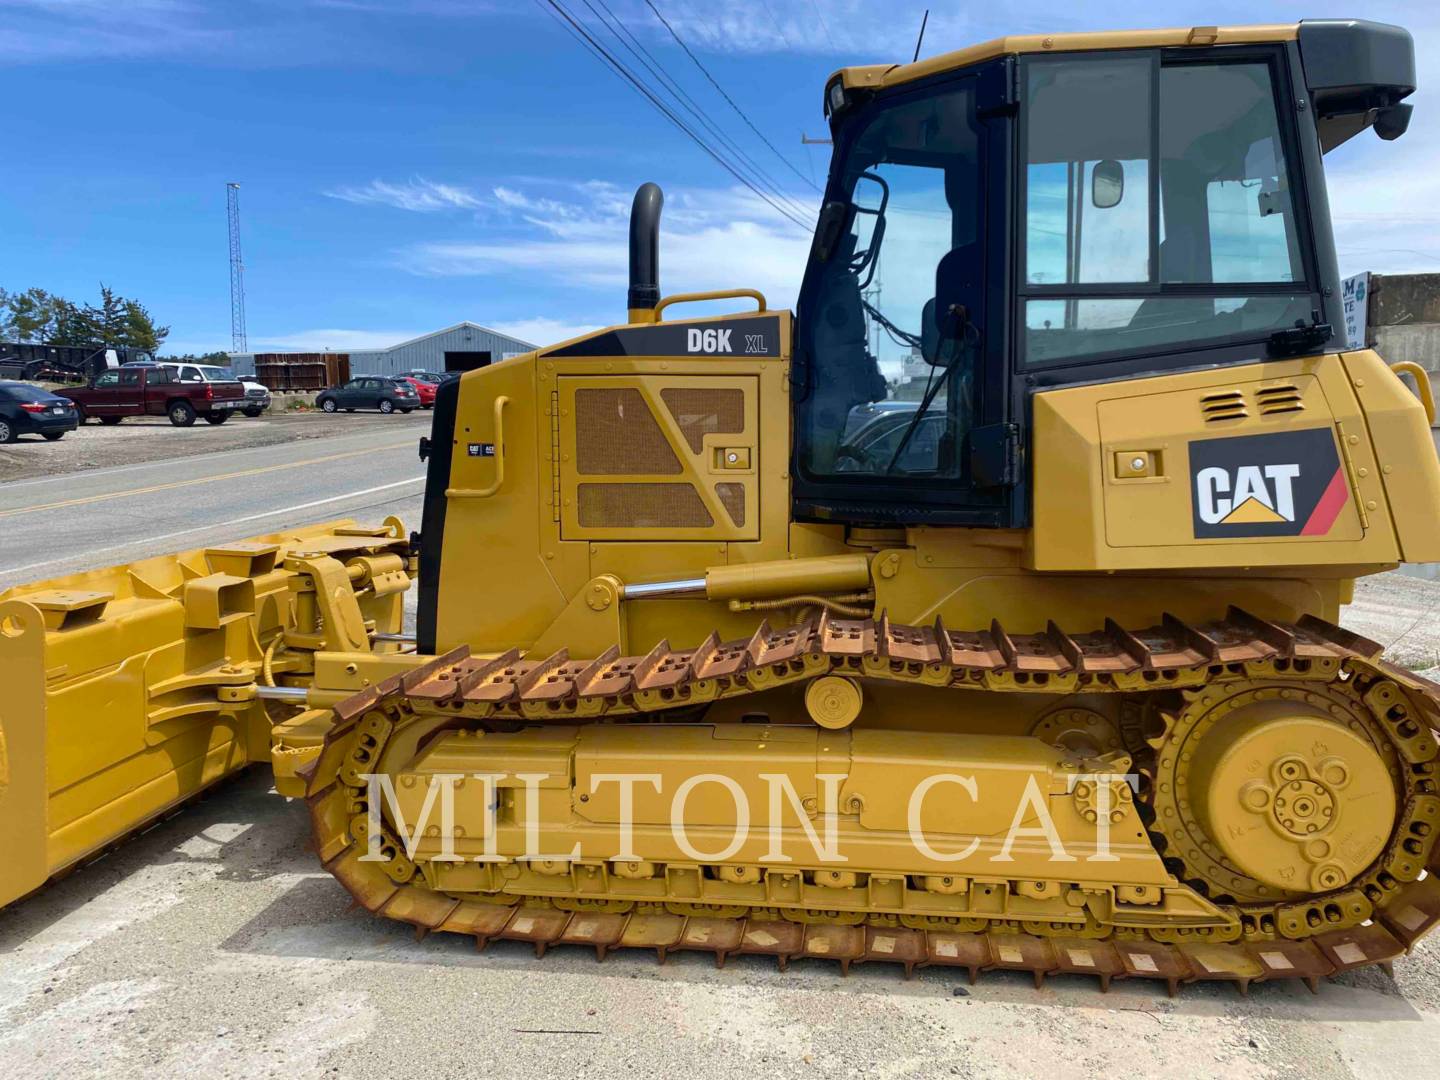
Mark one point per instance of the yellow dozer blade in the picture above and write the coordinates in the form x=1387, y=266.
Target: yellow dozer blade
x=128, y=690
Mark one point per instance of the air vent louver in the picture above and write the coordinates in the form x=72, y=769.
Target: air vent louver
x=1279, y=399
x=1224, y=405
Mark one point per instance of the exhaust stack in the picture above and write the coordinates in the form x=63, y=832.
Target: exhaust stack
x=645, y=253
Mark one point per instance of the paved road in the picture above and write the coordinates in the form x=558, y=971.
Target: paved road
x=55, y=526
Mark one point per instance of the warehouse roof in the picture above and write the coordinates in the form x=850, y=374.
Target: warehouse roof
x=466, y=324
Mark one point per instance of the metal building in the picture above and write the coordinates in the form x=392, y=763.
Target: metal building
x=460, y=347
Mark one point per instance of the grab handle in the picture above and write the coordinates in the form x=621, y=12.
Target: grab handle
x=722, y=294
x=486, y=492
x=1422, y=385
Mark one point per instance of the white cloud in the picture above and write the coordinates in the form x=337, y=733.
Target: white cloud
x=333, y=340
x=40, y=31
x=710, y=239
x=543, y=331
x=195, y=346
x=418, y=195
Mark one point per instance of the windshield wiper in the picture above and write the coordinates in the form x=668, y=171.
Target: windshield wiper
x=1300, y=338
x=931, y=390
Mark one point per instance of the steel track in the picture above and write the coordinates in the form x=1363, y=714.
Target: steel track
x=1399, y=896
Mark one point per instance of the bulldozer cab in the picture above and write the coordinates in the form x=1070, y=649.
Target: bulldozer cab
x=1055, y=216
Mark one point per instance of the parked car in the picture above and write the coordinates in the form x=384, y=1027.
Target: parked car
x=257, y=396
x=28, y=410
x=874, y=432
x=424, y=388
x=157, y=390
x=370, y=392
x=436, y=377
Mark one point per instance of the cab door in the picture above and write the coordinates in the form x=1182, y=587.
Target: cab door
x=130, y=393
x=899, y=383
x=102, y=399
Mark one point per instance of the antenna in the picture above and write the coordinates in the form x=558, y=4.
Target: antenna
x=238, y=342
x=925, y=19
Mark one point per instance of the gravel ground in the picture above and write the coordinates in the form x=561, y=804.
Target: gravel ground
x=153, y=438
x=1403, y=614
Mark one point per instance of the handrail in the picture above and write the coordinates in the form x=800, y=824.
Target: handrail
x=719, y=294
x=1422, y=385
x=486, y=492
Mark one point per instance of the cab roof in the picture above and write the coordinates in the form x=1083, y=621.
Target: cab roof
x=879, y=76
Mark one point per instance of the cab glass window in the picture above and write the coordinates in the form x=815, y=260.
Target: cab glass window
x=891, y=362
x=130, y=378
x=1127, y=222
x=108, y=378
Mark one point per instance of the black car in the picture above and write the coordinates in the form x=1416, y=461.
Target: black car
x=873, y=434
x=370, y=392
x=28, y=410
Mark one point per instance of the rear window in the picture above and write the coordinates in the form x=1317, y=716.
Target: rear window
x=26, y=393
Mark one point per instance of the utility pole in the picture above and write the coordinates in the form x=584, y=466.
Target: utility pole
x=238, y=342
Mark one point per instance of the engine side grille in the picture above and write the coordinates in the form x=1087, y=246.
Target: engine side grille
x=641, y=506
x=617, y=435
x=701, y=412
x=732, y=497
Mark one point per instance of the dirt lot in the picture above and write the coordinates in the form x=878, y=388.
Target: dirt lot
x=134, y=441
x=1403, y=614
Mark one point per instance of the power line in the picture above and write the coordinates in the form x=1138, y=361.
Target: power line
x=713, y=37
x=625, y=73
x=637, y=49
x=824, y=25
x=713, y=82
x=597, y=49
x=769, y=10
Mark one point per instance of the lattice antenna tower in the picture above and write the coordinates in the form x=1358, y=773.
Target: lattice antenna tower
x=238, y=342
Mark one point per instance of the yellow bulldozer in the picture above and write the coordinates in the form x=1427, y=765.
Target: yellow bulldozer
x=982, y=613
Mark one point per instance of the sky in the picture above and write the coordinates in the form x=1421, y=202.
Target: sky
x=407, y=165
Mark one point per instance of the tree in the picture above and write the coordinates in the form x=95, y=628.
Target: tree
x=140, y=331
x=109, y=318
x=38, y=316
x=72, y=325
x=32, y=315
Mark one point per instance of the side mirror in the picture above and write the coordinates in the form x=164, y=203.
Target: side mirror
x=929, y=333
x=1393, y=121
x=1107, y=184
x=941, y=346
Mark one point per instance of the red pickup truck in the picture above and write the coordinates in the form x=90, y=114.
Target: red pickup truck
x=150, y=390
